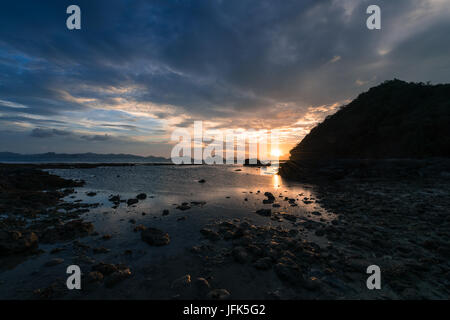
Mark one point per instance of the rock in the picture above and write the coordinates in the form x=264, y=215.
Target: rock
x=228, y=235
x=198, y=203
x=202, y=181
x=263, y=263
x=240, y=254
x=312, y=284
x=202, y=286
x=316, y=213
x=289, y=217
x=181, y=283
x=91, y=194
x=210, y=234
x=115, y=199
x=218, y=294
x=130, y=202
x=54, y=262
x=196, y=249
x=139, y=228
x=165, y=212
x=81, y=245
x=226, y=226
x=117, y=277
x=107, y=237
x=70, y=230
x=287, y=270
x=141, y=196
x=319, y=233
x=105, y=268
x=56, y=250
x=264, y=212
x=269, y=195
x=245, y=241
x=100, y=250
x=12, y=242
x=47, y=293
x=132, y=221
x=94, y=276
x=155, y=237
x=183, y=207
x=270, y=198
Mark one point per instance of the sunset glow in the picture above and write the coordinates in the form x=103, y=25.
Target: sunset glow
x=276, y=153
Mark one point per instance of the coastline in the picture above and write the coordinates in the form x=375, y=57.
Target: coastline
x=380, y=221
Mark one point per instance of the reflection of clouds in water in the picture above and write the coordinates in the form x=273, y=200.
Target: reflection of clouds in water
x=272, y=170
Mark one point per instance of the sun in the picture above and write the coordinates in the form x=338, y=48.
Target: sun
x=275, y=153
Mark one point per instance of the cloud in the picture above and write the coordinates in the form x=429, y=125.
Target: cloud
x=51, y=133
x=96, y=137
x=140, y=67
x=48, y=133
x=11, y=104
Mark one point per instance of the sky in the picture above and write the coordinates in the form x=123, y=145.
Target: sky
x=137, y=70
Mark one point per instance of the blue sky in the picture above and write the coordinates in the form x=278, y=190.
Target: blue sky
x=139, y=69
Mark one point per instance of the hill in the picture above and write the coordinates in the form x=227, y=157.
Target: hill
x=395, y=120
x=51, y=157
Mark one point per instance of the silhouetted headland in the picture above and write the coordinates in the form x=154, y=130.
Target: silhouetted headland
x=395, y=128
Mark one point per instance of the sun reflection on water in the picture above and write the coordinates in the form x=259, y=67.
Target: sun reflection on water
x=276, y=181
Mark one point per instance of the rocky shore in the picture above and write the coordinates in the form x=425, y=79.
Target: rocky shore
x=403, y=227
x=277, y=251
x=32, y=210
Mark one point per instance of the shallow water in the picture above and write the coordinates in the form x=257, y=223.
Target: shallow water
x=224, y=194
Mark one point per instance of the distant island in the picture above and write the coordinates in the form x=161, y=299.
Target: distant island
x=256, y=163
x=51, y=157
x=395, y=120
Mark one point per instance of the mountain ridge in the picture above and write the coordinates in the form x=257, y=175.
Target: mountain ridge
x=77, y=157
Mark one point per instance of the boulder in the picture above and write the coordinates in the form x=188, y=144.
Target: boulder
x=210, y=234
x=141, y=196
x=12, y=242
x=155, y=237
x=68, y=231
x=264, y=212
x=130, y=202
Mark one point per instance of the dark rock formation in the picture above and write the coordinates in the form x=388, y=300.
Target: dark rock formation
x=255, y=163
x=155, y=237
x=12, y=242
x=68, y=231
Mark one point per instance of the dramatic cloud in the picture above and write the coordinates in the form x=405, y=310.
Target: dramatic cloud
x=138, y=69
x=96, y=137
x=46, y=133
